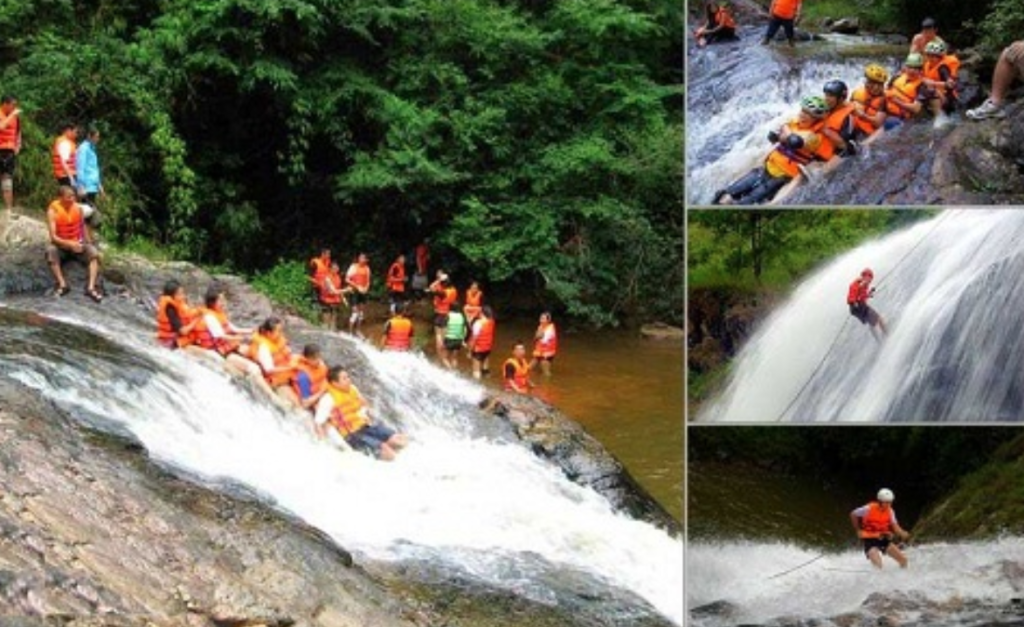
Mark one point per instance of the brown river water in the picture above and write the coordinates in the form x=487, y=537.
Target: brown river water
x=625, y=390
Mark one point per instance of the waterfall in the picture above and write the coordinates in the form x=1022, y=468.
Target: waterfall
x=462, y=496
x=960, y=583
x=949, y=289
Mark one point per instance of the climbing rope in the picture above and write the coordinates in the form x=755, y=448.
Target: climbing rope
x=796, y=568
x=835, y=340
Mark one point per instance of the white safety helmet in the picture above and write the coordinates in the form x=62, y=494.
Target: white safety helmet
x=885, y=495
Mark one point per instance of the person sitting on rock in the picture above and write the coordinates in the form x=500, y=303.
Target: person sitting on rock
x=839, y=128
x=857, y=299
x=69, y=239
x=876, y=524
x=904, y=98
x=175, y=319
x=309, y=381
x=941, y=69
x=719, y=25
x=1009, y=68
x=342, y=414
x=869, y=102
x=929, y=31
x=797, y=143
x=269, y=349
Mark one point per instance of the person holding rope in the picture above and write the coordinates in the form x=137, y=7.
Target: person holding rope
x=857, y=298
x=875, y=524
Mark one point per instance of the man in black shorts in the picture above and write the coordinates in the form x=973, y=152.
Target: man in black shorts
x=10, y=145
x=857, y=298
x=876, y=524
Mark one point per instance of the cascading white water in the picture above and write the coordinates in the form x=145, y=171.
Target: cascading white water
x=737, y=94
x=473, y=502
x=949, y=289
x=946, y=583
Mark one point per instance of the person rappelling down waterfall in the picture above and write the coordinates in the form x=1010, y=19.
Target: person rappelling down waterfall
x=857, y=298
x=797, y=143
x=876, y=524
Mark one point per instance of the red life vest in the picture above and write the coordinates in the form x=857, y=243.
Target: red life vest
x=326, y=296
x=396, y=277
x=785, y=9
x=520, y=374
x=359, y=275
x=546, y=344
x=444, y=298
x=723, y=18
x=321, y=266
x=279, y=353
x=399, y=337
x=10, y=134
x=165, y=334
x=483, y=335
x=474, y=302
x=877, y=522
x=346, y=416
x=202, y=337
x=858, y=293
x=58, y=163
x=68, y=221
x=317, y=374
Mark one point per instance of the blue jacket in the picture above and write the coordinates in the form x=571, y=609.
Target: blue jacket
x=87, y=167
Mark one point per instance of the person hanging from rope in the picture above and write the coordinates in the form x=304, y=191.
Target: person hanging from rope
x=876, y=524
x=857, y=298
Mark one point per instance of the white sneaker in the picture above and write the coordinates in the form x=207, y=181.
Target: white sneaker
x=988, y=109
x=942, y=120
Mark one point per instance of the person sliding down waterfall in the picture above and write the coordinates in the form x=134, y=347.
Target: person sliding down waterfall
x=875, y=524
x=857, y=298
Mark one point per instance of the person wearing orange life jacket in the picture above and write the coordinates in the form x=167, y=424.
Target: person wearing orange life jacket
x=269, y=349
x=904, y=98
x=474, y=301
x=62, y=154
x=396, y=281
x=857, y=298
x=516, y=371
x=839, y=128
x=785, y=14
x=719, y=25
x=309, y=382
x=342, y=416
x=481, y=341
x=398, y=330
x=319, y=266
x=545, y=344
x=876, y=524
x=797, y=143
x=444, y=294
x=869, y=101
x=941, y=72
x=331, y=296
x=69, y=239
x=175, y=320
x=10, y=146
x=214, y=334
x=358, y=279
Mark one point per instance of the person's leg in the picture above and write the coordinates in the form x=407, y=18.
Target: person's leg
x=773, y=28
x=7, y=185
x=740, y=188
x=894, y=552
x=287, y=393
x=385, y=453
x=545, y=367
x=398, y=441
x=787, y=25
x=53, y=258
x=94, y=273
x=875, y=556
x=1009, y=68
x=476, y=367
x=765, y=190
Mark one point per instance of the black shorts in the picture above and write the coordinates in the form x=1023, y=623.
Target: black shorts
x=358, y=298
x=481, y=355
x=440, y=320
x=8, y=162
x=882, y=544
x=864, y=313
x=64, y=180
x=370, y=438
x=452, y=344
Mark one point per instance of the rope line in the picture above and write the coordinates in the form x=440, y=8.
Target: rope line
x=795, y=568
x=839, y=334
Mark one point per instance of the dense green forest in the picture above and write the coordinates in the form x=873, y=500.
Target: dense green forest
x=536, y=143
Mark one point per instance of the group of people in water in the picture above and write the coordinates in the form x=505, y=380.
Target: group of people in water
x=306, y=382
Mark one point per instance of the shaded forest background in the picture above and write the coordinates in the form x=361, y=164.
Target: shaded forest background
x=536, y=143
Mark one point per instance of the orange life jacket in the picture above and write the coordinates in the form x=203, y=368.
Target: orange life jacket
x=520, y=375
x=723, y=18
x=321, y=266
x=785, y=9
x=359, y=275
x=396, y=277
x=787, y=160
x=326, y=296
x=58, y=163
x=483, y=338
x=399, y=337
x=443, y=299
x=474, y=302
x=931, y=71
x=279, y=352
x=317, y=374
x=69, y=224
x=903, y=88
x=202, y=337
x=10, y=134
x=547, y=344
x=345, y=416
x=165, y=334
x=872, y=105
x=877, y=522
x=858, y=293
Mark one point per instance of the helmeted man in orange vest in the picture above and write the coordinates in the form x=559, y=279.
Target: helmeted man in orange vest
x=876, y=524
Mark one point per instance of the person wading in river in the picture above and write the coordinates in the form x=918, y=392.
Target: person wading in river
x=857, y=298
x=875, y=524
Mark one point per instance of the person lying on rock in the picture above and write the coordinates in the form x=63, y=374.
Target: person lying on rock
x=342, y=414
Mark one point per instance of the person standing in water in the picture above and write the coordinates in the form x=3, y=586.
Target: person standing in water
x=876, y=524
